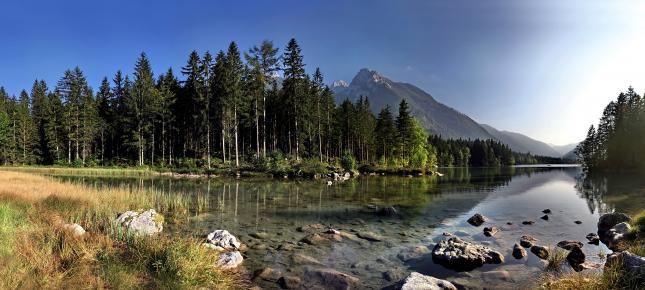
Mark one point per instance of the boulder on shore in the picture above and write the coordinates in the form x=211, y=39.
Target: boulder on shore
x=229, y=260
x=477, y=220
x=609, y=220
x=576, y=258
x=460, y=255
x=631, y=262
x=222, y=240
x=145, y=223
x=417, y=281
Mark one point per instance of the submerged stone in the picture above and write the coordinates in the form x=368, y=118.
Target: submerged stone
x=527, y=241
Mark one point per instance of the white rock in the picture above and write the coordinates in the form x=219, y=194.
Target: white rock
x=146, y=223
x=222, y=240
x=229, y=260
x=76, y=229
x=416, y=281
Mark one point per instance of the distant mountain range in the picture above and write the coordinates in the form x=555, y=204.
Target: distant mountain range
x=436, y=117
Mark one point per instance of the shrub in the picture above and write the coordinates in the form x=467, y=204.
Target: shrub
x=347, y=161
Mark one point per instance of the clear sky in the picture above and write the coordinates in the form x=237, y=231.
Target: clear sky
x=542, y=68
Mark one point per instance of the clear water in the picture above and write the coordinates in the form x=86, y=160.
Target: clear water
x=428, y=207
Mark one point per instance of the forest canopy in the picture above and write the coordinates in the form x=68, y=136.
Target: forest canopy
x=232, y=108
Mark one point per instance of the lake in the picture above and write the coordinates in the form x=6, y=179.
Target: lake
x=265, y=214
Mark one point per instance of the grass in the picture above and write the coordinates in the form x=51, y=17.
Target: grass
x=556, y=259
x=36, y=252
x=613, y=276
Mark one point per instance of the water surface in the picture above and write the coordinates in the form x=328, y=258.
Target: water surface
x=427, y=206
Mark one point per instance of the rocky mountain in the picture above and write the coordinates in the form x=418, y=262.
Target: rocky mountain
x=436, y=117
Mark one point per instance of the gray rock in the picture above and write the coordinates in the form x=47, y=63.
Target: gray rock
x=518, y=252
x=609, y=220
x=631, y=262
x=575, y=258
x=570, y=244
x=417, y=281
x=621, y=228
x=540, y=251
x=527, y=241
x=329, y=279
x=75, y=229
x=545, y=217
x=146, y=223
x=477, y=220
x=457, y=254
x=547, y=211
x=222, y=240
x=229, y=260
x=528, y=222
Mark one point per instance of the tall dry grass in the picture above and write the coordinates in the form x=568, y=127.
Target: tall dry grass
x=36, y=252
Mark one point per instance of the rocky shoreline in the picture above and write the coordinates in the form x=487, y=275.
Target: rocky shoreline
x=451, y=251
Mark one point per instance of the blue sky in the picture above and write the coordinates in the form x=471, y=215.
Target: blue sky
x=542, y=68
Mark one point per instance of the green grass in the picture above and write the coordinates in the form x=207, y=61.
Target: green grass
x=556, y=259
x=638, y=222
x=12, y=221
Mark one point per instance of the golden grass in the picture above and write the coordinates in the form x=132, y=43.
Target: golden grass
x=33, y=209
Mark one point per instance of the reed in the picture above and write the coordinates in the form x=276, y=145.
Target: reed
x=33, y=209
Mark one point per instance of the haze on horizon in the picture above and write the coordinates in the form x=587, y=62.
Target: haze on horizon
x=543, y=68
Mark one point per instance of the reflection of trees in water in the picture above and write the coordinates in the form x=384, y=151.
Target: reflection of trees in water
x=612, y=192
x=592, y=190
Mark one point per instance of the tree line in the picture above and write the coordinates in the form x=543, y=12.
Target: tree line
x=618, y=141
x=228, y=109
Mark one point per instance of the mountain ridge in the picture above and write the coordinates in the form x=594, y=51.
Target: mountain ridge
x=436, y=117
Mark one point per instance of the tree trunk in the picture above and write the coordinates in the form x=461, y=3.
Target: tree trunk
x=237, y=160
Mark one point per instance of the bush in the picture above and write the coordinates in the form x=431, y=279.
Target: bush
x=347, y=161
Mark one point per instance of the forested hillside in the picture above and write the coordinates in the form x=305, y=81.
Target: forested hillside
x=224, y=110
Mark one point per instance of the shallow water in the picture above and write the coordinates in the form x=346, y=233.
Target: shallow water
x=427, y=206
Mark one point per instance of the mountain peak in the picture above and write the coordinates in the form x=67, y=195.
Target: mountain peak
x=366, y=76
x=340, y=84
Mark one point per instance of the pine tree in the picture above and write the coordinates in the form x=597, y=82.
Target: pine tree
x=405, y=129
x=25, y=129
x=104, y=100
x=233, y=91
x=265, y=58
x=140, y=107
x=38, y=108
x=385, y=133
x=54, y=132
x=294, y=75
